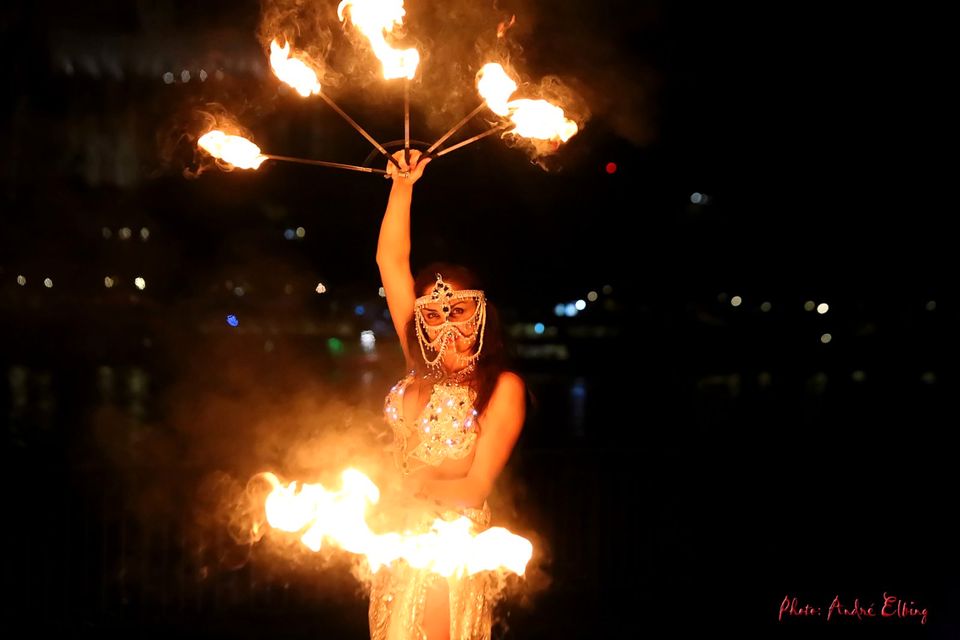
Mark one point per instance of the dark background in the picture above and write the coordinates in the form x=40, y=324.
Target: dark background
x=688, y=462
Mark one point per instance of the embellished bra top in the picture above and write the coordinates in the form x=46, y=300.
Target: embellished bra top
x=446, y=428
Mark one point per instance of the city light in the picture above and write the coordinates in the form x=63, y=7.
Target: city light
x=368, y=341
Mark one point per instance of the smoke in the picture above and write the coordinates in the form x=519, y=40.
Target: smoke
x=228, y=414
x=464, y=37
x=229, y=411
x=505, y=504
x=306, y=26
x=458, y=39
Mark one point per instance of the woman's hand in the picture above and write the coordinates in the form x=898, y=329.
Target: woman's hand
x=410, y=173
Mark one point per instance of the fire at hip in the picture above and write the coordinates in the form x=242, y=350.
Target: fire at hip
x=338, y=518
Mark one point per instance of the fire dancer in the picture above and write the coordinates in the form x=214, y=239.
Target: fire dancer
x=455, y=416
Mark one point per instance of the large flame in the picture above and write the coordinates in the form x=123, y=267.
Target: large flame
x=531, y=118
x=375, y=18
x=294, y=71
x=338, y=518
x=234, y=150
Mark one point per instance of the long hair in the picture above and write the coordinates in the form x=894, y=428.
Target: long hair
x=494, y=358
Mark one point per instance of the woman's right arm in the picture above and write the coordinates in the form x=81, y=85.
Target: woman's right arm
x=393, y=246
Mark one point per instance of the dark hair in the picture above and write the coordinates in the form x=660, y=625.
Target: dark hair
x=494, y=358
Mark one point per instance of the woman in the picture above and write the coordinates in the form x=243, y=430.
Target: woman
x=456, y=416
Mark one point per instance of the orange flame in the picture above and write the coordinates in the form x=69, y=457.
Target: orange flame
x=294, y=71
x=542, y=120
x=538, y=119
x=338, y=518
x=496, y=87
x=503, y=27
x=234, y=150
x=375, y=18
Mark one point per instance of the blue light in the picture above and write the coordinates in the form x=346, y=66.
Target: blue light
x=359, y=310
x=538, y=328
x=571, y=310
x=289, y=234
x=560, y=310
x=232, y=320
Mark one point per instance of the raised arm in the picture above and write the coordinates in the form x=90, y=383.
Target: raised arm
x=393, y=247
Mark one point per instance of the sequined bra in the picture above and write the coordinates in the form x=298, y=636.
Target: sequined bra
x=446, y=427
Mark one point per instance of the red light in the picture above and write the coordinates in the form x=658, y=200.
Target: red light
x=611, y=167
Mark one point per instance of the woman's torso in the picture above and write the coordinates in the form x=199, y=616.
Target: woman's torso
x=435, y=427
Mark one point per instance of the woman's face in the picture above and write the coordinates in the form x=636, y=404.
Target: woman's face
x=463, y=336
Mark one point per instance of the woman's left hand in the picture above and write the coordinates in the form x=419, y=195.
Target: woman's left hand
x=407, y=174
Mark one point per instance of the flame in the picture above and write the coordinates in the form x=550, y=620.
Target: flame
x=234, y=150
x=337, y=518
x=496, y=87
x=542, y=120
x=294, y=71
x=503, y=27
x=532, y=118
x=375, y=18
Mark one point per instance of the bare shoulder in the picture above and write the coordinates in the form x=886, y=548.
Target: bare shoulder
x=510, y=383
x=509, y=394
